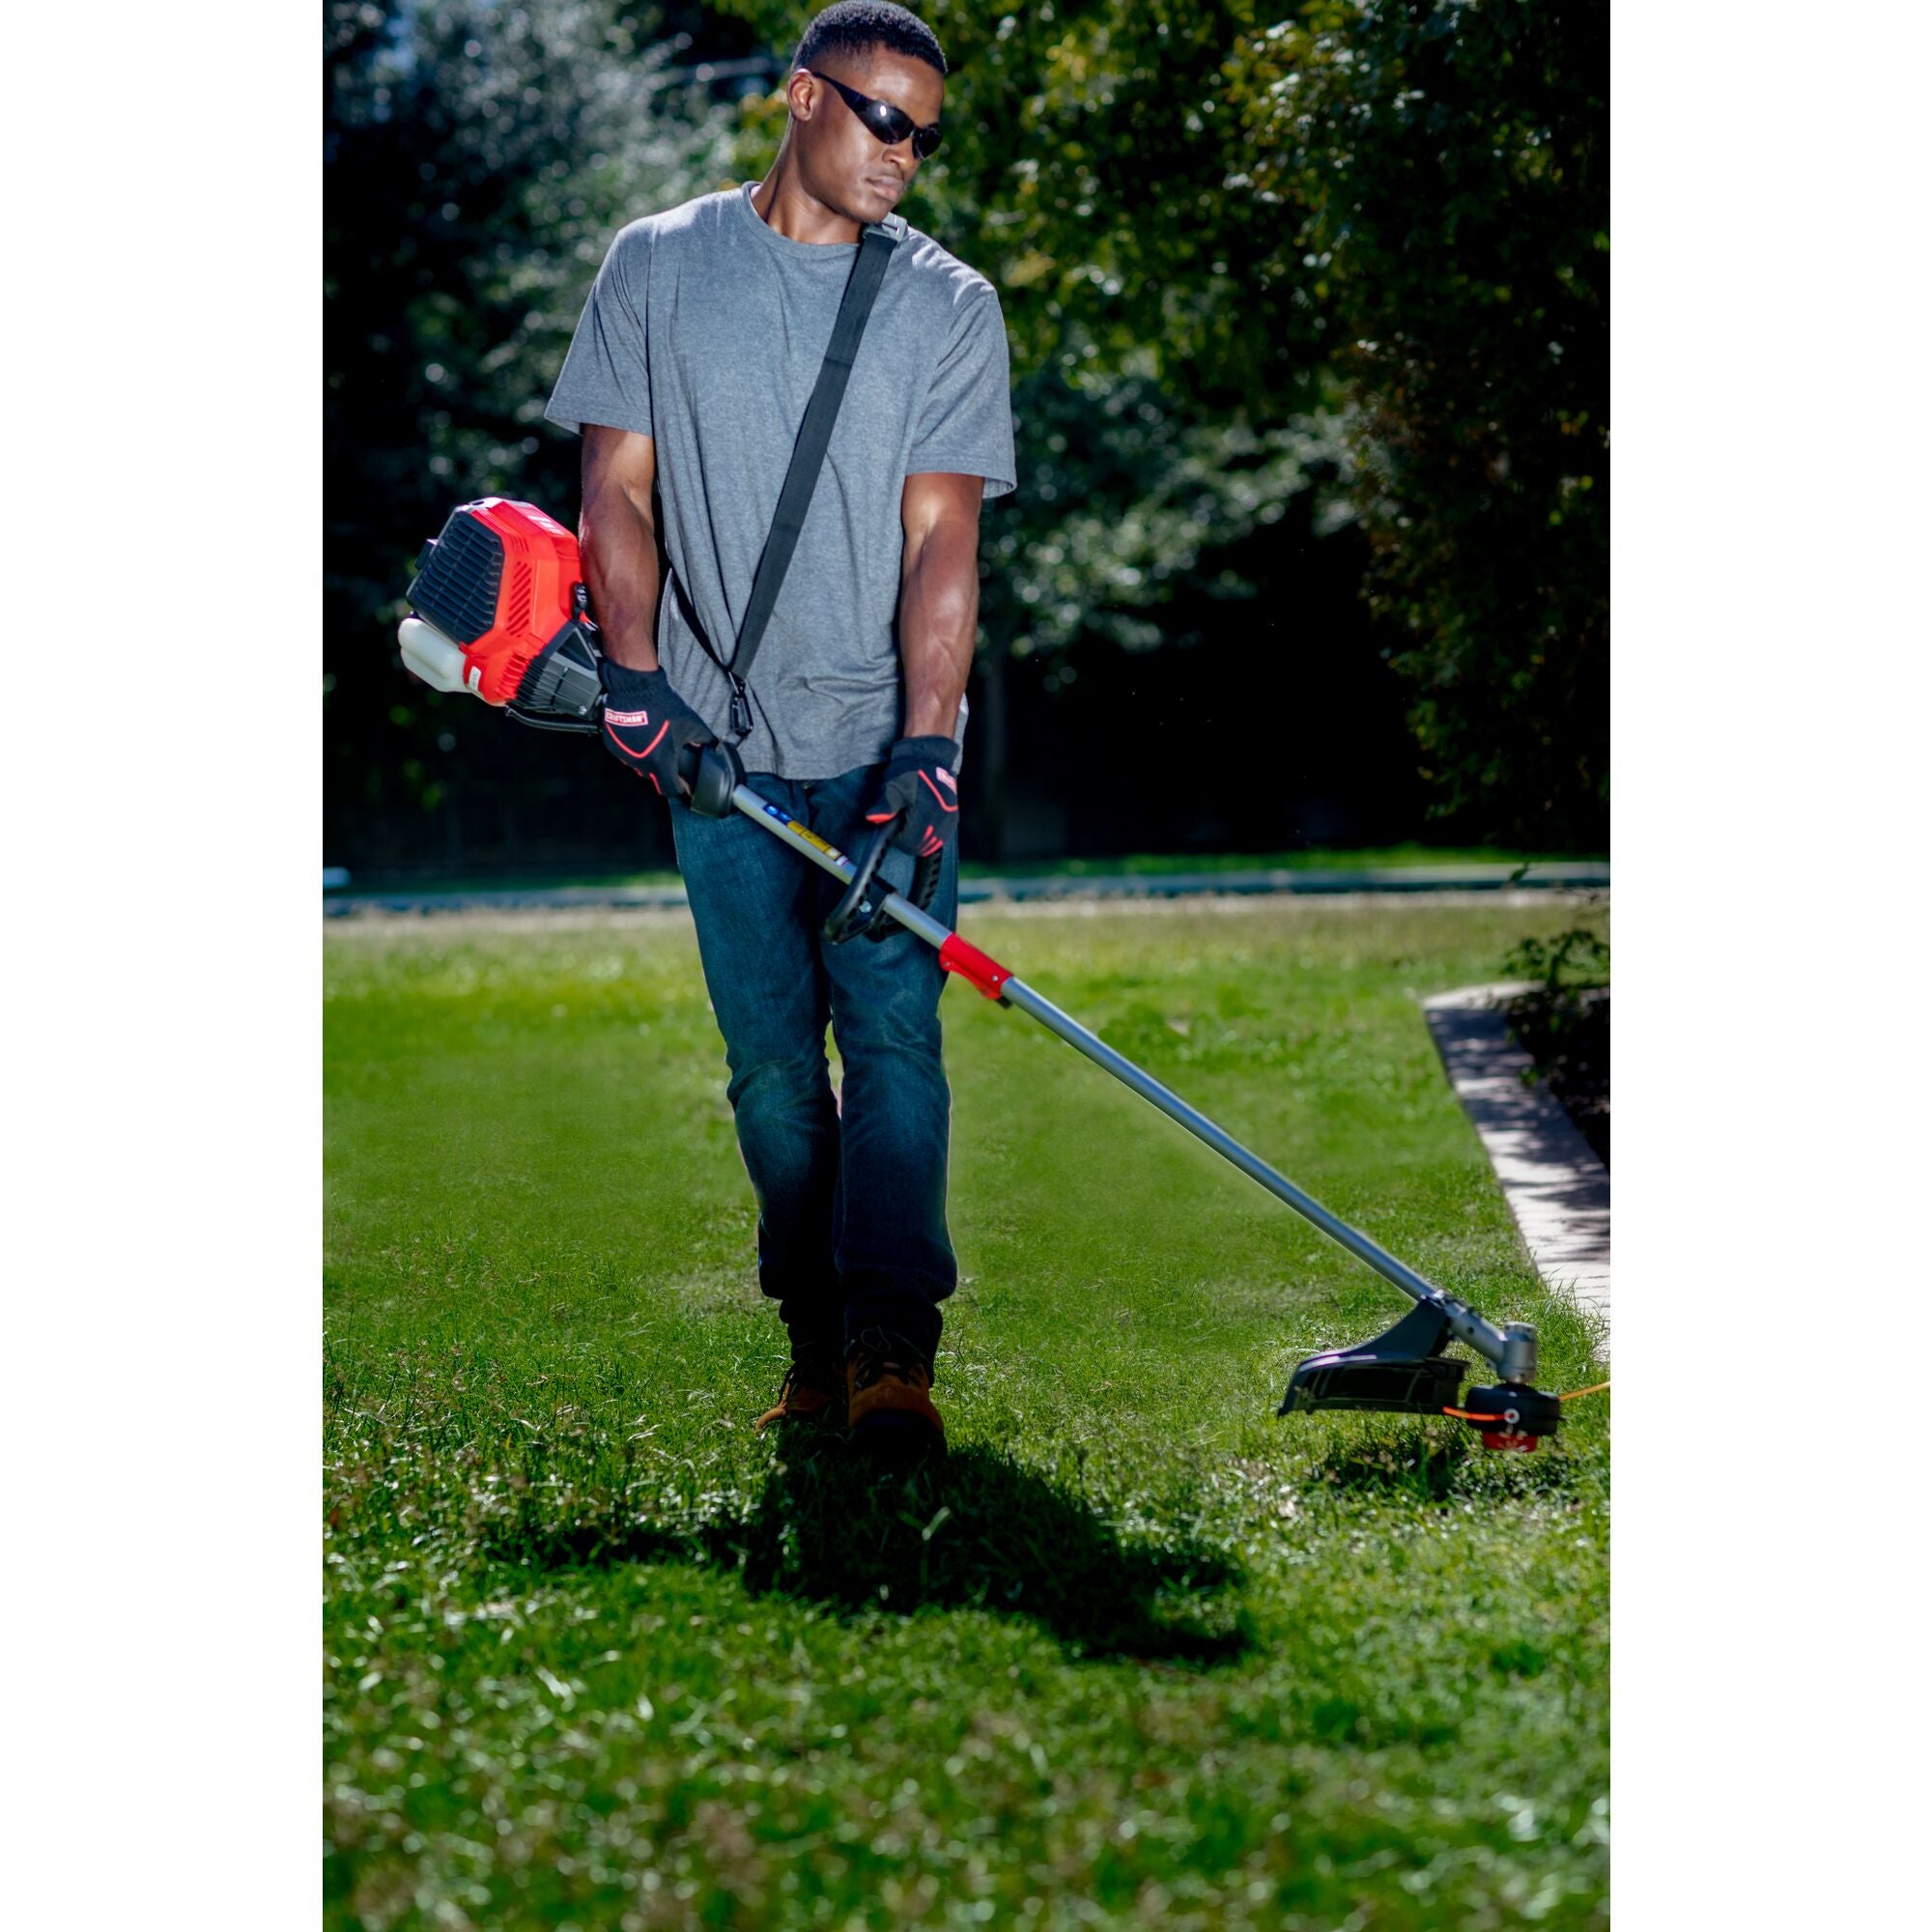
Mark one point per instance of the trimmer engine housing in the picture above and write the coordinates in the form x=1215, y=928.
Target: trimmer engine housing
x=503, y=586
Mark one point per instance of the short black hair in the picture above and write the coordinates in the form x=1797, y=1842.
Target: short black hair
x=860, y=27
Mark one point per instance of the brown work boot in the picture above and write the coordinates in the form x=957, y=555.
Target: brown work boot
x=811, y=1393
x=888, y=1398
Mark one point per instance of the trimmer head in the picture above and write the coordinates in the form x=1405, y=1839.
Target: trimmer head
x=1404, y=1373
x=1511, y=1416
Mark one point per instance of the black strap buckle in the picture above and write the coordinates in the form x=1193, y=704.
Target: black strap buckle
x=741, y=707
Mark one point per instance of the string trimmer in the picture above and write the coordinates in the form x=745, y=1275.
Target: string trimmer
x=499, y=612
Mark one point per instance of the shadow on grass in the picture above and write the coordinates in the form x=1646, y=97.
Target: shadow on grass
x=977, y=1531
x=1413, y=1464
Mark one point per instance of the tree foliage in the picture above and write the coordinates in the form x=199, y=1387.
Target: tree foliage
x=1445, y=166
x=1386, y=214
x=480, y=158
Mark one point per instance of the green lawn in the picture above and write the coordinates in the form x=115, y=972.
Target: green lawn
x=1313, y=857
x=1309, y=859
x=1139, y=1654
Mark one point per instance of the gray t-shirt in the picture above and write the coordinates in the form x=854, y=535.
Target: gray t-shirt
x=705, y=331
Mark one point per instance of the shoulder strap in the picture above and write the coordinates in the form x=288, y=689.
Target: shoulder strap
x=808, y=458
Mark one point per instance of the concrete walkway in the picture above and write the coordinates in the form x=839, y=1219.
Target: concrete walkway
x=1570, y=874
x=1557, y=1188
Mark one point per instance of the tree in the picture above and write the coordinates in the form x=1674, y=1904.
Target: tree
x=1444, y=166
x=1374, y=231
x=1082, y=173
x=1387, y=216
x=478, y=159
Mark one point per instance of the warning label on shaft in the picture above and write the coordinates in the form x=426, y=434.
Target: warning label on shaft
x=799, y=831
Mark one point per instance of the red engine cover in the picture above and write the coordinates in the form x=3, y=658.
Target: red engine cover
x=500, y=583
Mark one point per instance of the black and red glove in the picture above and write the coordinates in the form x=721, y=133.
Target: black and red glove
x=647, y=725
x=918, y=781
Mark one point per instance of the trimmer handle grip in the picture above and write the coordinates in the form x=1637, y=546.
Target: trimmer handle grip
x=857, y=912
x=713, y=772
x=863, y=909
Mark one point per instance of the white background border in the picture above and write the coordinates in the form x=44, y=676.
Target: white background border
x=162, y=775
x=162, y=789
x=1769, y=719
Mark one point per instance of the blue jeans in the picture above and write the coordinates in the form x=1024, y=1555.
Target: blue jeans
x=851, y=1191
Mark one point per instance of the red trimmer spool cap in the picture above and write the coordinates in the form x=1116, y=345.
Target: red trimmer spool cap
x=1511, y=1416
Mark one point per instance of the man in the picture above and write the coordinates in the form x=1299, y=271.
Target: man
x=689, y=376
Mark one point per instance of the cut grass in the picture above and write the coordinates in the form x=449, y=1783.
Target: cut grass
x=1139, y=1654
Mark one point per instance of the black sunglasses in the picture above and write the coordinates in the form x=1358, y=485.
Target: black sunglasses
x=883, y=121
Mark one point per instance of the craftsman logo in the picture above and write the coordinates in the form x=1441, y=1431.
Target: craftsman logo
x=945, y=778
x=625, y=719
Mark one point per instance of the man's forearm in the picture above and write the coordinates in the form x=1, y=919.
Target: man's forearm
x=620, y=547
x=939, y=617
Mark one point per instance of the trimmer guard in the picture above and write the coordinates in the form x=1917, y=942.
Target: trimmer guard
x=1400, y=1373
